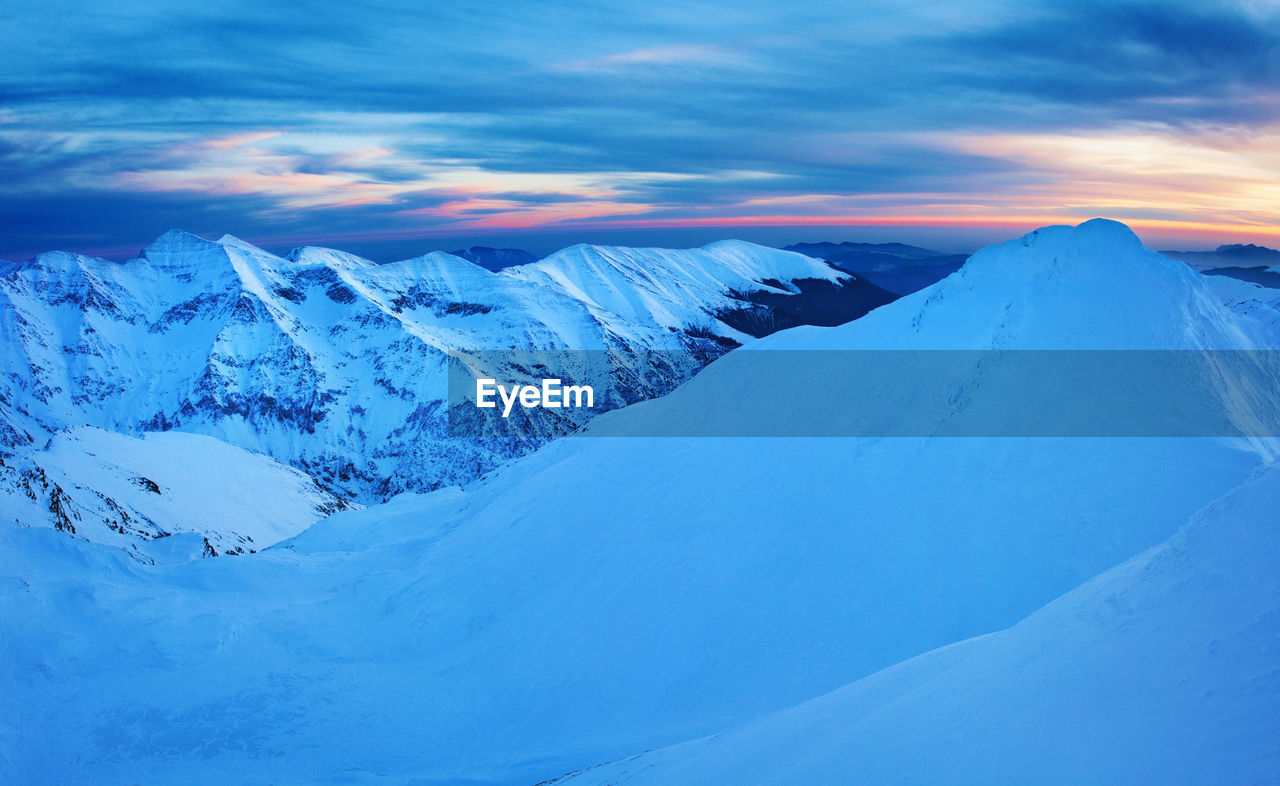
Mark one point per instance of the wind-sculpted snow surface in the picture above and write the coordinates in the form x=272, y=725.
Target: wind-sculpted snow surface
x=603, y=597
x=335, y=365
x=1162, y=670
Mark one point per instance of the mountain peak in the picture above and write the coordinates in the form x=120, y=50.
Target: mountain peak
x=734, y=243
x=175, y=241
x=318, y=255
x=1248, y=252
x=232, y=240
x=186, y=256
x=1109, y=230
x=1090, y=286
x=442, y=262
x=1095, y=233
x=1250, y=248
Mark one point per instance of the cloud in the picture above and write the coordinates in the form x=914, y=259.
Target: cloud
x=426, y=117
x=1167, y=62
x=237, y=140
x=654, y=56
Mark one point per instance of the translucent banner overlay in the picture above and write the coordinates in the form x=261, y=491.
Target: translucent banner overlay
x=867, y=393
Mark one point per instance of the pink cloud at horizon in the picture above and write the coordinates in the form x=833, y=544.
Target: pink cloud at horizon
x=1203, y=187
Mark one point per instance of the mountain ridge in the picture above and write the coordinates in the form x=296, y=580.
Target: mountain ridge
x=335, y=365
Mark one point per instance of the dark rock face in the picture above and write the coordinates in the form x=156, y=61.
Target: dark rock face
x=339, y=293
x=147, y=484
x=1255, y=275
x=818, y=302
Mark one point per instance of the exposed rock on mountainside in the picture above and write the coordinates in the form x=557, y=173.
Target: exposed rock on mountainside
x=335, y=365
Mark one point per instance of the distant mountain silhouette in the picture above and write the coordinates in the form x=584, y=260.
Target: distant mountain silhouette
x=1247, y=262
x=495, y=259
x=895, y=267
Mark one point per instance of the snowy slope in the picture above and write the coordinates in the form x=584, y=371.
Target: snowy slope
x=1253, y=301
x=606, y=596
x=1088, y=287
x=669, y=288
x=1161, y=670
x=335, y=365
x=137, y=492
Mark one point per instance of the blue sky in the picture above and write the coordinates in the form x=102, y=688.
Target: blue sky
x=393, y=128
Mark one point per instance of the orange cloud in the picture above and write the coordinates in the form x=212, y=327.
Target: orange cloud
x=1193, y=184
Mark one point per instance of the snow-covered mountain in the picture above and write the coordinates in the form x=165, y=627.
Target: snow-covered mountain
x=164, y=496
x=609, y=595
x=336, y=366
x=1161, y=670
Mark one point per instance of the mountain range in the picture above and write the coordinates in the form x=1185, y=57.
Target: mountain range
x=1247, y=262
x=612, y=608
x=335, y=366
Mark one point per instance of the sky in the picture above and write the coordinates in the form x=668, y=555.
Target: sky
x=394, y=128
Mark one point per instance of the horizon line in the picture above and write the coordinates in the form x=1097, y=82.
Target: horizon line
x=1020, y=224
